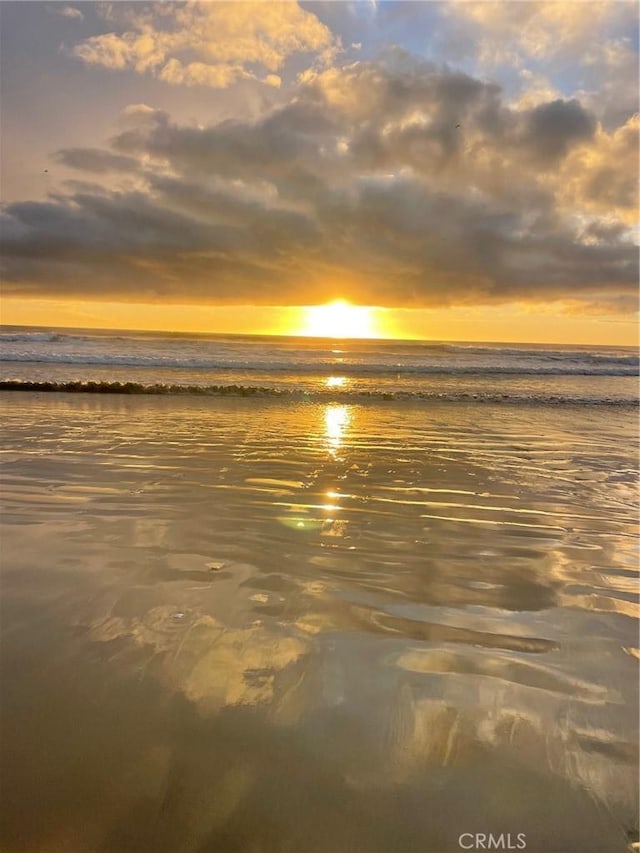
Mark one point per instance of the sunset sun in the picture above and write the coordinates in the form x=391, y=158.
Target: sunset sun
x=339, y=319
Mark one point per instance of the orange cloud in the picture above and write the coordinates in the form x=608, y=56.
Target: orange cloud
x=229, y=40
x=394, y=182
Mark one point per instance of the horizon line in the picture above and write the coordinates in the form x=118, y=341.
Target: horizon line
x=312, y=337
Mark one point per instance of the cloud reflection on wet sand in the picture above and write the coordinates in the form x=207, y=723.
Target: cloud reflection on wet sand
x=260, y=619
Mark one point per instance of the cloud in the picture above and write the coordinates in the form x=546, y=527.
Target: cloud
x=505, y=30
x=610, y=84
x=208, y=44
x=588, y=49
x=70, y=12
x=552, y=129
x=599, y=178
x=95, y=160
x=390, y=182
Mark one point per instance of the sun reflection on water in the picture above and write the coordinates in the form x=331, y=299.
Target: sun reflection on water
x=337, y=419
x=335, y=381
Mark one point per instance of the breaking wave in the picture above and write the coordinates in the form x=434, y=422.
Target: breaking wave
x=593, y=366
x=30, y=337
x=319, y=395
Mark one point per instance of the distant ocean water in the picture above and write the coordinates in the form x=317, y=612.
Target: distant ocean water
x=150, y=362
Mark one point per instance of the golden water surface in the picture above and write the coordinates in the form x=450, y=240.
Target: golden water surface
x=243, y=625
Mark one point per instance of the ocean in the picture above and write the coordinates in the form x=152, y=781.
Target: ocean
x=283, y=594
x=162, y=363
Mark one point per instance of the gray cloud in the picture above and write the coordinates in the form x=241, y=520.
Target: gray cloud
x=395, y=182
x=70, y=12
x=95, y=160
x=551, y=129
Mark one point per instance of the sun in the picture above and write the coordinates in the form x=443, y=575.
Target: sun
x=340, y=319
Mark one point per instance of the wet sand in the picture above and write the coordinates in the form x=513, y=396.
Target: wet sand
x=244, y=625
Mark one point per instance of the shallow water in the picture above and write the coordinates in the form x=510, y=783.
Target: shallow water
x=249, y=625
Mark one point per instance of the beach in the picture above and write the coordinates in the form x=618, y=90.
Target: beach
x=322, y=623
x=319, y=445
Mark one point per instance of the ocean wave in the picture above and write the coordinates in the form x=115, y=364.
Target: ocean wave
x=545, y=354
x=319, y=395
x=346, y=367
x=30, y=337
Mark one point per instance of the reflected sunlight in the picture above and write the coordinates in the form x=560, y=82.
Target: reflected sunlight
x=335, y=381
x=336, y=420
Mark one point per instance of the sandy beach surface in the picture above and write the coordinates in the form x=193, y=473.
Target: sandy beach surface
x=256, y=626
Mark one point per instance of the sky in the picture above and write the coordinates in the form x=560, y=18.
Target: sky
x=470, y=168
